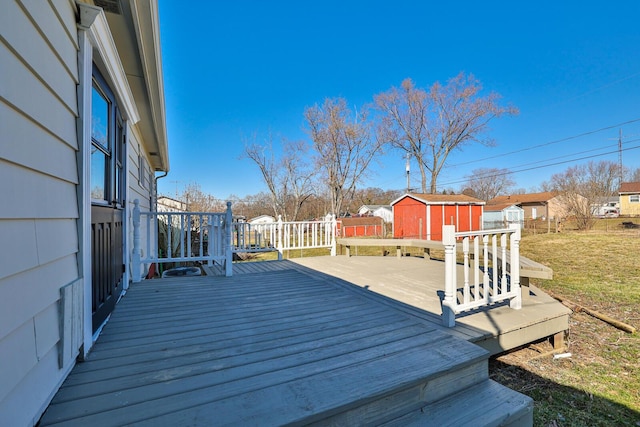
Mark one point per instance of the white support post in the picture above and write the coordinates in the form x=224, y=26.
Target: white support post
x=516, y=302
x=279, y=245
x=448, y=305
x=210, y=240
x=334, y=226
x=228, y=263
x=136, y=255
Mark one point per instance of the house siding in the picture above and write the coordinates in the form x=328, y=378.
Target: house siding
x=38, y=172
x=627, y=207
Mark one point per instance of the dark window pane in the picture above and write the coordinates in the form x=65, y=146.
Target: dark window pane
x=98, y=174
x=99, y=118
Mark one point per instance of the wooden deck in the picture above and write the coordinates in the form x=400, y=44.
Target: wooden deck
x=280, y=343
x=415, y=285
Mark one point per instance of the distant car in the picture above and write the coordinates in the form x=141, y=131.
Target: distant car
x=610, y=210
x=612, y=213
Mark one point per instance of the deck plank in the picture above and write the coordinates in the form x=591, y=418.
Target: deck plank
x=262, y=333
x=285, y=341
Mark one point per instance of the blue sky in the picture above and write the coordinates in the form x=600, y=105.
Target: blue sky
x=235, y=68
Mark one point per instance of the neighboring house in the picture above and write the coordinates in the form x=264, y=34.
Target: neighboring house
x=547, y=205
x=421, y=216
x=260, y=223
x=262, y=219
x=167, y=204
x=83, y=130
x=383, y=211
x=630, y=198
x=502, y=215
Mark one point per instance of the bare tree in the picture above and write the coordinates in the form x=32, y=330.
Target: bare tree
x=288, y=178
x=634, y=176
x=376, y=196
x=199, y=201
x=343, y=146
x=429, y=125
x=487, y=183
x=584, y=186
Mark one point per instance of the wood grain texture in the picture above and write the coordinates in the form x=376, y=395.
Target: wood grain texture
x=270, y=348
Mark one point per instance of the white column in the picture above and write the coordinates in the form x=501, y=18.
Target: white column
x=85, y=65
x=516, y=302
x=449, y=303
x=136, y=252
x=228, y=264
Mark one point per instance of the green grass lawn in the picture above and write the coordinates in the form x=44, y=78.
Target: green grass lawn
x=599, y=385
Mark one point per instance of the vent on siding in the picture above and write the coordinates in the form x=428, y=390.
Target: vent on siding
x=110, y=6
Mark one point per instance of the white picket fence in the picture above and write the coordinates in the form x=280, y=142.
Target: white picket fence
x=284, y=235
x=485, y=255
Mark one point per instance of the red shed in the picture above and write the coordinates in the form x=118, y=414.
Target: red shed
x=421, y=216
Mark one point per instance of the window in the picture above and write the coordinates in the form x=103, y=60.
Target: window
x=108, y=141
x=634, y=198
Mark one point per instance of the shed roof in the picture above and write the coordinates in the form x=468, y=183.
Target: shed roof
x=447, y=199
x=517, y=199
x=374, y=207
x=630, y=187
x=500, y=207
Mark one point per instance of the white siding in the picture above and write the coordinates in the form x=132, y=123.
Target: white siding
x=140, y=186
x=38, y=219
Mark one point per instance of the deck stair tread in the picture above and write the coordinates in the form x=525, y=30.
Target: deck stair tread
x=484, y=404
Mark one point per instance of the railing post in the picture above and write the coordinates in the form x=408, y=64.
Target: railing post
x=279, y=245
x=209, y=238
x=135, y=256
x=334, y=225
x=516, y=302
x=228, y=262
x=449, y=303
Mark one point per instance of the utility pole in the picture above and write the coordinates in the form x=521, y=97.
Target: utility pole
x=408, y=167
x=620, y=155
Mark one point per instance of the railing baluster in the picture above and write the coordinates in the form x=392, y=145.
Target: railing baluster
x=465, y=266
x=503, y=243
x=494, y=265
x=476, y=268
x=188, y=231
x=485, y=277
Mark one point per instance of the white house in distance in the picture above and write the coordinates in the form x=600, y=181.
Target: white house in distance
x=383, y=211
x=262, y=219
x=167, y=204
x=83, y=131
x=502, y=215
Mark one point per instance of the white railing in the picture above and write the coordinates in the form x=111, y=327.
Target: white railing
x=280, y=236
x=485, y=256
x=187, y=237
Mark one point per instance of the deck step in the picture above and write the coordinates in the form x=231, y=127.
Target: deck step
x=367, y=392
x=485, y=404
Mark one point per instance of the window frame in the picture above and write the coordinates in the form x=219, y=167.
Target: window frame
x=114, y=150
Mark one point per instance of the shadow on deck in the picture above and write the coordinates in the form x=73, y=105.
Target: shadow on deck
x=283, y=343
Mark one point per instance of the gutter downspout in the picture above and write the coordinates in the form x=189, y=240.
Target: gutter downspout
x=155, y=189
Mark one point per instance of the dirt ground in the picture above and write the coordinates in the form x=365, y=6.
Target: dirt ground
x=582, y=384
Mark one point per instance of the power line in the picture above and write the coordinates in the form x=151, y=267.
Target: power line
x=510, y=172
x=546, y=144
